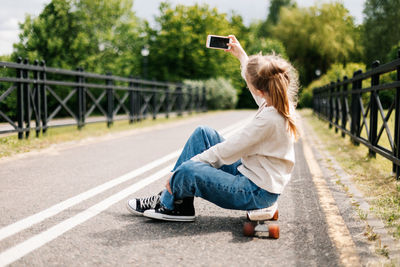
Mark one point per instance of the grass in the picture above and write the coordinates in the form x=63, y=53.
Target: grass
x=10, y=145
x=373, y=176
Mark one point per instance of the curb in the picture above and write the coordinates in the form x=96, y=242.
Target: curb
x=384, y=240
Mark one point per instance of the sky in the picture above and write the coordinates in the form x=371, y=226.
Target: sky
x=13, y=12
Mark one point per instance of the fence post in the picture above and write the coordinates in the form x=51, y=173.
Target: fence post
x=179, y=98
x=79, y=106
x=325, y=102
x=396, y=168
x=167, y=101
x=327, y=106
x=355, y=108
x=154, y=101
x=316, y=102
x=204, y=100
x=110, y=101
x=373, y=119
x=20, y=101
x=344, y=105
x=337, y=104
x=319, y=99
x=37, y=98
x=190, y=94
x=331, y=90
x=322, y=105
x=44, y=96
x=131, y=101
x=83, y=81
x=27, y=100
x=197, y=103
x=137, y=100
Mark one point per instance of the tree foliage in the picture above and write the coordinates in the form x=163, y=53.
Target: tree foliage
x=381, y=30
x=97, y=35
x=220, y=94
x=394, y=52
x=335, y=72
x=177, y=44
x=105, y=35
x=274, y=10
x=317, y=37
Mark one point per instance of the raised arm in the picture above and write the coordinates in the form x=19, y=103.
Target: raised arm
x=237, y=50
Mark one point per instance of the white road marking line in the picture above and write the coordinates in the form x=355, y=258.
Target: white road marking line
x=18, y=251
x=47, y=213
x=53, y=210
x=39, y=240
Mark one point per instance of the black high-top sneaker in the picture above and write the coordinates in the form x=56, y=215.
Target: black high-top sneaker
x=140, y=205
x=183, y=212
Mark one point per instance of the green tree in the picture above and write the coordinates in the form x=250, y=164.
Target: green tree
x=274, y=10
x=7, y=105
x=97, y=35
x=100, y=36
x=220, y=94
x=177, y=44
x=394, y=52
x=51, y=36
x=381, y=30
x=114, y=29
x=254, y=45
x=317, y=37
x=5, y=58
x=335, y=72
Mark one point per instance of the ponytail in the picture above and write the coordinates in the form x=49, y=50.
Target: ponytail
x=277, y=77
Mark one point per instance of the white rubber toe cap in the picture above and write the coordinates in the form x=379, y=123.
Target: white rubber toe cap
x=131, y=206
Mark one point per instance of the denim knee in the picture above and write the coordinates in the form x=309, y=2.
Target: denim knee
x=208, y=133
x=185, y=168
x=182, y=176
x=204, y=130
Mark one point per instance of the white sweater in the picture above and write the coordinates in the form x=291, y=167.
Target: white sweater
x=265, y=147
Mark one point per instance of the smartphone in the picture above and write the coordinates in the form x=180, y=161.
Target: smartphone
x=218, y=42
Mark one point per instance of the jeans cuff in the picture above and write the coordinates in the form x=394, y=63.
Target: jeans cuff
x=167, y=200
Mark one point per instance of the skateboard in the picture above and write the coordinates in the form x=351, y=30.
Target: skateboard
x=261, y=228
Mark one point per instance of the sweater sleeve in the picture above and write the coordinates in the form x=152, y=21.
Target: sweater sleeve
x=237, y=146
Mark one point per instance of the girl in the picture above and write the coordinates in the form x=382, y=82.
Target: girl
x=249, y=170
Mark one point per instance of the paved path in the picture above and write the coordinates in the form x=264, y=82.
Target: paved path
x=65, y=206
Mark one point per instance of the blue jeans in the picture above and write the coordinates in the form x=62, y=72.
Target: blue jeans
x=225, y=187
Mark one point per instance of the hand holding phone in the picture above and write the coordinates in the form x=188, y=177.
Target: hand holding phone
x=237, y=50
x=218, y=42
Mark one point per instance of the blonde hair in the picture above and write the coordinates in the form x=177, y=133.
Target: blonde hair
x=277, y=77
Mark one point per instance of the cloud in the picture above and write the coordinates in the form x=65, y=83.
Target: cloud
x=11, y=14
x=8, y=37
x=9, y=24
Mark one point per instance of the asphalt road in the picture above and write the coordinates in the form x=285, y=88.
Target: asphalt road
x=65, y=206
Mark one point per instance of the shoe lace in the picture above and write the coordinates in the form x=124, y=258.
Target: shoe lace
x=149, y=202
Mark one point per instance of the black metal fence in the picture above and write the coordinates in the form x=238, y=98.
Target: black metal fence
x=36, y=97
x=364, y=107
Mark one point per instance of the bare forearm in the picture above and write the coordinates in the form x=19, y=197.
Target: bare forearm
x=237, y=50
x=243, y=59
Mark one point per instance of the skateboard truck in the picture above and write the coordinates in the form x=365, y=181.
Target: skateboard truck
x=259, y=227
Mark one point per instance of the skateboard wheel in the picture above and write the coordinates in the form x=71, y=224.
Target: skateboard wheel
x=273, y=231
x=248, y=229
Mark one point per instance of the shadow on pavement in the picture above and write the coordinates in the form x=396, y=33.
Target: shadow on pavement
x=143, y=229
